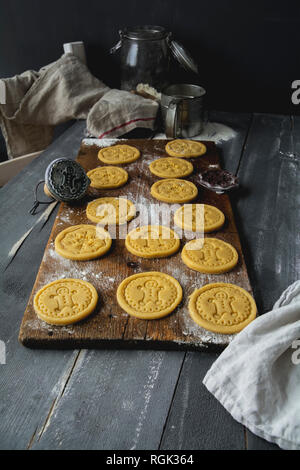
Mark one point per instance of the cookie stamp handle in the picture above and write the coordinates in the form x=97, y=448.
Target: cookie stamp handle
x=36, y=200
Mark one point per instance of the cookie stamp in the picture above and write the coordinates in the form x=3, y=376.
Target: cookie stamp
x=65, y=301
x=222, y=308
x=118, y=154
x=82, y=242
x=149, y=295
x=152, y=241
x=209, y=255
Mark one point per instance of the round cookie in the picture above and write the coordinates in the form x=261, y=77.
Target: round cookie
x=185, y=148
x=222, y=308
x=65, y=301
x=110, y=210
x=174, y=190
x=118, y=154
x=82, y=242
x=107, y=177
x=209, y=255
x=171, y=168
x=149, y=295
x=152, y=241
x=192, y=216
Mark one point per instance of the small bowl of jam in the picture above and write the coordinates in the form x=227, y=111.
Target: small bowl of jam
x=218, y=180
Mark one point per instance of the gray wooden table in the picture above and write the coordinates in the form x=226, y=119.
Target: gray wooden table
x=110, y=399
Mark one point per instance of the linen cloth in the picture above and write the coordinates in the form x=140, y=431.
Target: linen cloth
x=59, y=92
x=119, y=112
x=257, y=377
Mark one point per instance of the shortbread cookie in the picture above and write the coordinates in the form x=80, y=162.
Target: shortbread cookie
x=110, y=210
x=171, y=168
x=185, y=148
x=65, y=301
x=194, y=216
x=209, y=255
x=152, y=241
x=82, y=242
x=118, y=154
x=174, y=190
x=149, y=295
x=222, y=308
x=107, y=177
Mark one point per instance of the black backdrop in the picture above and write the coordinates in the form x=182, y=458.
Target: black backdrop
x=248, y=51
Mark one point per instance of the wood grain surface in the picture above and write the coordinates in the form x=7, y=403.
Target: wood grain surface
x=109, y=326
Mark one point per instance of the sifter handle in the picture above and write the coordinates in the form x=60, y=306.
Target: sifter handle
x=171, y=123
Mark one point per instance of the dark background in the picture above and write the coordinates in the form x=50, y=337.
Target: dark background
x=248, y=51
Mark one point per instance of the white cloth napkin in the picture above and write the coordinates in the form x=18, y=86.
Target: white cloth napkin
x=257, y=377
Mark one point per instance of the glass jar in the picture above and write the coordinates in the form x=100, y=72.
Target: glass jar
x=145, y=56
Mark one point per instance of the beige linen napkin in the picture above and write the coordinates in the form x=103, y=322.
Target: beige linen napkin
x=38, y=101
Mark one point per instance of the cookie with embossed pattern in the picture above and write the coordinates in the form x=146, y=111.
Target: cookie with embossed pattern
x=152, y=241
x=209, y=255
x=199, y=218
x=171, y=168
x=110, y=210
x=119, y=154
x=65, y=301
x=174, y=190
x=149, y=295
x=185, y=148
x=82, y=242
x=222, y=308
x=107, y=177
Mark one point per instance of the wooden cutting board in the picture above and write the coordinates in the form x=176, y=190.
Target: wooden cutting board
x=109, y=326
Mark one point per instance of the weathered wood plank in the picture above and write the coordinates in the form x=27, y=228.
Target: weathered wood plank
x=267, y=210
x=113, y=401
x=109, y=326
x=197, y=420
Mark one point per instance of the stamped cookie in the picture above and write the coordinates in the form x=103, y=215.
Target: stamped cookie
x=107, y=177
x=194, y=216
x=174, y=190
x=65, y=301
x=209, y=255
x=152, y=241
x=149, y=295
x=185, y=148
x=222, y=308
x=171, y=168
x=110, y=210
x=82, y=242
x=118, y=154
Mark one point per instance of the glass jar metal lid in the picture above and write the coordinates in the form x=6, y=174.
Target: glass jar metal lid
x=144, y=33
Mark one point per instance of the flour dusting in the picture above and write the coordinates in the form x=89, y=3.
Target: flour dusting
x=214, y=131
x=101, y=142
